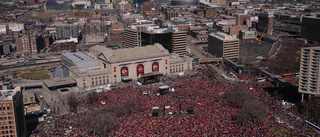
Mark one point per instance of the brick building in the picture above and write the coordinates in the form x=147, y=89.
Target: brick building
x=235, y=29
x=30, y=44
x=147, y=6
x=210, y=12
x=12, y=113
x=62, y=46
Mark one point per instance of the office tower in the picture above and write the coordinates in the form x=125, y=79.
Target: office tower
x=309, y=71
x=310, y=28
x=221, y=44
x=265, y=22
x=170, y=38
x=12, y=113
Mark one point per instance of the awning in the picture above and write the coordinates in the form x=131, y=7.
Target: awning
x=126, y=79
x=151, y=74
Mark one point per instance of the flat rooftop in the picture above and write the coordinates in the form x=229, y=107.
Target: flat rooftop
x=8, y=94
x=223, y=36
x=80, y=59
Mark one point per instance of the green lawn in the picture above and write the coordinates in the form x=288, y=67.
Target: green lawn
x=35, y=75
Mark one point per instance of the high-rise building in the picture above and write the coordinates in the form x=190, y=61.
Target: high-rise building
x=265, y=22
x=170, y=38
x=309, y=71
x=310, y=28
x=132, y=38
x=66, y=31
x=221, y=44
x=30, y=44
x=12, y=113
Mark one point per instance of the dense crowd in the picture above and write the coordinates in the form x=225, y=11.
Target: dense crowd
x=213, y=115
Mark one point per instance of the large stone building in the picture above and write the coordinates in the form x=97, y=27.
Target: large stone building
x=12, y=113
x=309, y=71
x=105, y=66
x=221, y=44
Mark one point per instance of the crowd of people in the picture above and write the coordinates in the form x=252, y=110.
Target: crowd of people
x=212, y=117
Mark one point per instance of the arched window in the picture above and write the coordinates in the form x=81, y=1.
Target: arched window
x=124, y=71
x=155, y=66
x=140, y=69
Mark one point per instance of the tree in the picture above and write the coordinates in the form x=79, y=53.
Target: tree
x=92, y=98
x=72, y=102
x=101, y=124
x=237, y=97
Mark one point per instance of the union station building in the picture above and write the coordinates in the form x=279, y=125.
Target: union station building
x=103, y=66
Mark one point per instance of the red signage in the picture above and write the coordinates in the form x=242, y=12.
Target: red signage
x=155, y=66
x=140, y=69
x=114, y=69
x=124, y=71
x=166, y=61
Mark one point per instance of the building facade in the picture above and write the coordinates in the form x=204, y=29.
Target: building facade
x=247, y=34
x=12, y=113
x=105, y=66
x=221, y=44
x=265, y=22
x=66, y=31
x=310, y=28
x=309, y=71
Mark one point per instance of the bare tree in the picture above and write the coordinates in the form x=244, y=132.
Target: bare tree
x=72, y=102
x=237, y=97
x=92, y=98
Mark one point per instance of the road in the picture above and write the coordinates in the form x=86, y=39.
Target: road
x=195, y=52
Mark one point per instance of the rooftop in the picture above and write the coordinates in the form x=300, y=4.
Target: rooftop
x=8, y=94
x=136, y=53
x=223, y=36
x=80, y=59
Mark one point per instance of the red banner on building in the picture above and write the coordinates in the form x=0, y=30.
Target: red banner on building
x=124, y=71
x=155, y=66
x=114, y=69
x=140, y=69
x=166, y=61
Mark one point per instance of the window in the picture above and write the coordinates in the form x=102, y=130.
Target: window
x=6, y=127
x=10, y=126
x=91, y=78
x=99, y=77
x=103, y=76
x=96, y=78
x=9, y=117
x=2, y=127
x=9, y=122
x=92, y=83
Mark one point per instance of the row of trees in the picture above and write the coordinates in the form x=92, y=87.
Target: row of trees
x=251, y=110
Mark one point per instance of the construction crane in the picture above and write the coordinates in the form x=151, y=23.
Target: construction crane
x=264, y=31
